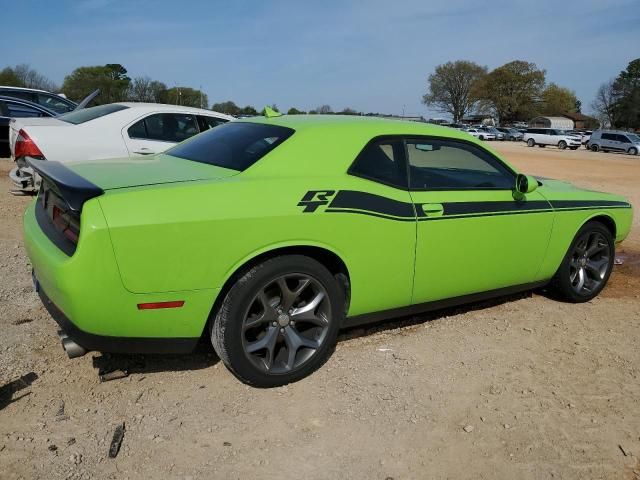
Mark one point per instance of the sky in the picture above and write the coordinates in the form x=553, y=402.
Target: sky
x=369, y=55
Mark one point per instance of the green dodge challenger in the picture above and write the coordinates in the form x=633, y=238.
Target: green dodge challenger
x=270, y=234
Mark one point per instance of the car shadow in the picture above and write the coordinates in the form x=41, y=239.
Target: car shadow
x=202, y=357
x=205, y=357
x=8, y=389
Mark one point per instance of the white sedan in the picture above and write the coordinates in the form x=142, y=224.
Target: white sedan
x=114, y=130
x=481, y=134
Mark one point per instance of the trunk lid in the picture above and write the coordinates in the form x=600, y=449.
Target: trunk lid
x=153, y=170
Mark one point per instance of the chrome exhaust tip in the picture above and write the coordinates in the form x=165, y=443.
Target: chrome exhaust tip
x=72, y=348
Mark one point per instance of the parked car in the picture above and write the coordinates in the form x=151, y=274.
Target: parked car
x=584, y=135
x=268, y=239
x=51, y=101
x=11, y=107
x=498, y=135
x=551, y=136
x=106, y=131
x=511, y=133
x=614, y=141
x=480, y=134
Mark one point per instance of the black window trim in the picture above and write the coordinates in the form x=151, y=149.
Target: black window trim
x=493, y=161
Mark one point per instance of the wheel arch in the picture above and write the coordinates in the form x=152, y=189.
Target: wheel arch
x=603, y=218
x=324, y=254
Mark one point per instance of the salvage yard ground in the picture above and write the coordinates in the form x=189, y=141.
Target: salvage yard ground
x=520, y=388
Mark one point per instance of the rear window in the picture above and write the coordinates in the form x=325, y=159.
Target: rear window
x=234, y=145
x=87, y=114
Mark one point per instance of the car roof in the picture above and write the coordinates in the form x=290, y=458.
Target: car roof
x=373, y=126
x=8, y=87
x=163, y=106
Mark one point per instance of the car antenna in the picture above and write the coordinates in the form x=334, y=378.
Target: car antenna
x=270, y=112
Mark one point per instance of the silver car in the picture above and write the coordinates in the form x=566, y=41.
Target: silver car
x=614, y=141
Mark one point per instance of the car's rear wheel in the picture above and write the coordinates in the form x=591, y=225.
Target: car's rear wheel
x=531, y=142
x=632, y=151
x=562, y=144
x=279, y=322
x=573, y=148
x=481, y=137
x=586, y=267
x=594, y=147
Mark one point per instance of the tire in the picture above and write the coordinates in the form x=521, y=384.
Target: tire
x=531, y=142
x=263, y=345
x=562, y=144
x=594, y=147
x=578, y=265
x=573, y=148
x=632, y=151
x=542, y=146
x=481, y=137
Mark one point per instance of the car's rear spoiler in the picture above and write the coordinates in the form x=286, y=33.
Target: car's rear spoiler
x=74, y=189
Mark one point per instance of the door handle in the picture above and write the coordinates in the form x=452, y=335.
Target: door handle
x=144, y=151
x=433, y=209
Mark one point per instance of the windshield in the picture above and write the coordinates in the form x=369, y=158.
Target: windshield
x=86, y=114
x=234, y=145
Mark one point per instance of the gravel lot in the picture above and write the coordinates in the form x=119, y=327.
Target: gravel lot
x=520, y=388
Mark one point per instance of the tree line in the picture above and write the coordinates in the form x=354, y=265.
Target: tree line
x=518, y=91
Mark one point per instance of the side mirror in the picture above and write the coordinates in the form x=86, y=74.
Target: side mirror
x=525, y=184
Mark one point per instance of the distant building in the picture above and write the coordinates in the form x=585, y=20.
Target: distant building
x=583, y=122
x=561, y=123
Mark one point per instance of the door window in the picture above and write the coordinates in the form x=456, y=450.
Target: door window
x=623, y=139
x=608, y=136
x=205, y=122
x=438, y=164
x=54, y=102
x=166, y=127
x=19, y=110
x=382, y=161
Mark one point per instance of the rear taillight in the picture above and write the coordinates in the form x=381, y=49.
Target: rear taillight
x=65, y=223
x=26, y=147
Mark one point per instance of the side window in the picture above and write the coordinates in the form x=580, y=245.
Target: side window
x=53, y=102
x=623, y=139
x=205, y=122
x=166, y=127
x=382, y=161
x=608, y=136
x=137, y=130
x=18, y=110
x=436, y=164
x=20, y=94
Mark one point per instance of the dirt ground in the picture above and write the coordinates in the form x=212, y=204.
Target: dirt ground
x=519, y=388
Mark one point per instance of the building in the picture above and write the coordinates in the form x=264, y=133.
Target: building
x=583, y=122
x=561, y=123
x=479, y=120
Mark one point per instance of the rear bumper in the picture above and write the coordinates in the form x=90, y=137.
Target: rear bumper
x=102, y=343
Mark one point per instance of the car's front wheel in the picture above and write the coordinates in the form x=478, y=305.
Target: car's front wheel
x=279, y=322
x=632, y=151
x=587, y=265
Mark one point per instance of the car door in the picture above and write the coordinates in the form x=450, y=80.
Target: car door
x=472, y=235
x=623, y=142
x=608, y=142
x=157, y=132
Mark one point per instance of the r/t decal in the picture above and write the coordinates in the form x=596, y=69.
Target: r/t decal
x=314, y=199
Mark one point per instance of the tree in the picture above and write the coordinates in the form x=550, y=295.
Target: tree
x=626, y=92
x=111, y=79
x=24, y=76
x=9, y=78
x=249, y=110
x=450, y=87
x=323, y=109
x=348, y=111
x=604, y=103
x=143, y=89
x=187, y=96
x=294, y=111
x=578, y=106
x=557, y=100
x=229, y=107
x=511, y=91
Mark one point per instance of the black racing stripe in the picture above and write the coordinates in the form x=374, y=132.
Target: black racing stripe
x=464, y=208
x=371, y=214
x=350, y=199
x=577, y=204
